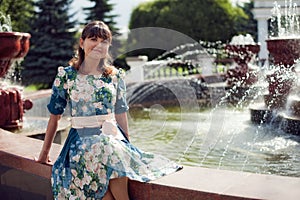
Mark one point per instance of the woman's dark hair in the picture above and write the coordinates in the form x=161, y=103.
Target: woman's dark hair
x=94, y=29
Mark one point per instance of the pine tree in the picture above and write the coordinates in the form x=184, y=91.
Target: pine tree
x=102, y=11
x=52, y=42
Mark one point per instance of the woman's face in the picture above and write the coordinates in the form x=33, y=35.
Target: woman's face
x=94, y=47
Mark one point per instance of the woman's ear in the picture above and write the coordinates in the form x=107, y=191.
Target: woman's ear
x=81, y=43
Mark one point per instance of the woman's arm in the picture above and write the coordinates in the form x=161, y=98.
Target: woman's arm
x=122, y=121
x=49, y=136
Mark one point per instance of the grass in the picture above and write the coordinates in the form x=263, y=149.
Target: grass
x=32, y=88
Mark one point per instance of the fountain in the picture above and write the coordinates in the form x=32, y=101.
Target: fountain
x=219, y=136
x=14, y=46
x=284, y=51
x=243, y=49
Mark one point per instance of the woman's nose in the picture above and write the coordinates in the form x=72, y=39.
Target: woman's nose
x=104, y=43
x=97, y=45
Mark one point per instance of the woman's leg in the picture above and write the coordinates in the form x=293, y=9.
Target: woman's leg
x=108, y=195
x=119, y=188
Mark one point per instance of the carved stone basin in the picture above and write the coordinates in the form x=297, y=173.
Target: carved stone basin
x=242, y=55
x=13, y=45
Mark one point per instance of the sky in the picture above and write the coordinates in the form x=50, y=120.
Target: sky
x=122, y=8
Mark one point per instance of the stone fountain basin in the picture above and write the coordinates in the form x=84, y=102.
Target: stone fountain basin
x=287, y=120
x=293, y=106
x=246, y=48
x=243, y=53
x=290, y=123
x=14, y=44
x=287, y=53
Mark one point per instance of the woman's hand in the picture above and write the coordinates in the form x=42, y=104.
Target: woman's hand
x=49, y=136
x=122, y=121
x=43, y=159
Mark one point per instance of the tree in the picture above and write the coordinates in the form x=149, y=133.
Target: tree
x=52, y=42
x=249, y=25
x=102, y=11
x=20, y=13
x=201, y=20
x=206, y=20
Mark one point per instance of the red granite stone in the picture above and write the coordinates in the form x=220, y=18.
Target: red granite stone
x=19, y=152
x=191, y=183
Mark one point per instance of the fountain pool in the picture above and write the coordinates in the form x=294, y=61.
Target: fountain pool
x=230, y=142
x=222, y=138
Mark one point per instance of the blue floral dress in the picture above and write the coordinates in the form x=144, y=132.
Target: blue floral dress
x=89, y=158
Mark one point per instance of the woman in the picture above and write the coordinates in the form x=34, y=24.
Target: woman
x=97, y=158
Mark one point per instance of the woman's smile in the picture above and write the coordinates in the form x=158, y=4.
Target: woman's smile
x=97, y=50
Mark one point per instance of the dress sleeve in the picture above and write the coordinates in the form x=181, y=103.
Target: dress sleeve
x=58, y=100
x=121, y=104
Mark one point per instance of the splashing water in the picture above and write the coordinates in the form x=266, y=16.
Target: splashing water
x=242, y=40
x=5, y=23
x=285, y=24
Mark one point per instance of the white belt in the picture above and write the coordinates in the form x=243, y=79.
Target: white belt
x=91, y=121
x=106, y=123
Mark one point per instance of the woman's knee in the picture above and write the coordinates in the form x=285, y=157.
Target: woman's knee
x=119, y=188
x=108, y=195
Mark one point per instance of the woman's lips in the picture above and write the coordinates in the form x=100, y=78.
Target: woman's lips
x=97, y=50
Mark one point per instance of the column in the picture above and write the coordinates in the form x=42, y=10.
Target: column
x=136, y=72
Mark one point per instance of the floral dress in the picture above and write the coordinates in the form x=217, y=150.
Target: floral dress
x=90, y=158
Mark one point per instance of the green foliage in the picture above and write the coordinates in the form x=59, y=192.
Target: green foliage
x=20, y=12
x=202, y=20
x=33, y=88
x=205, y=20
x=52, y=42
x=148, y=14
